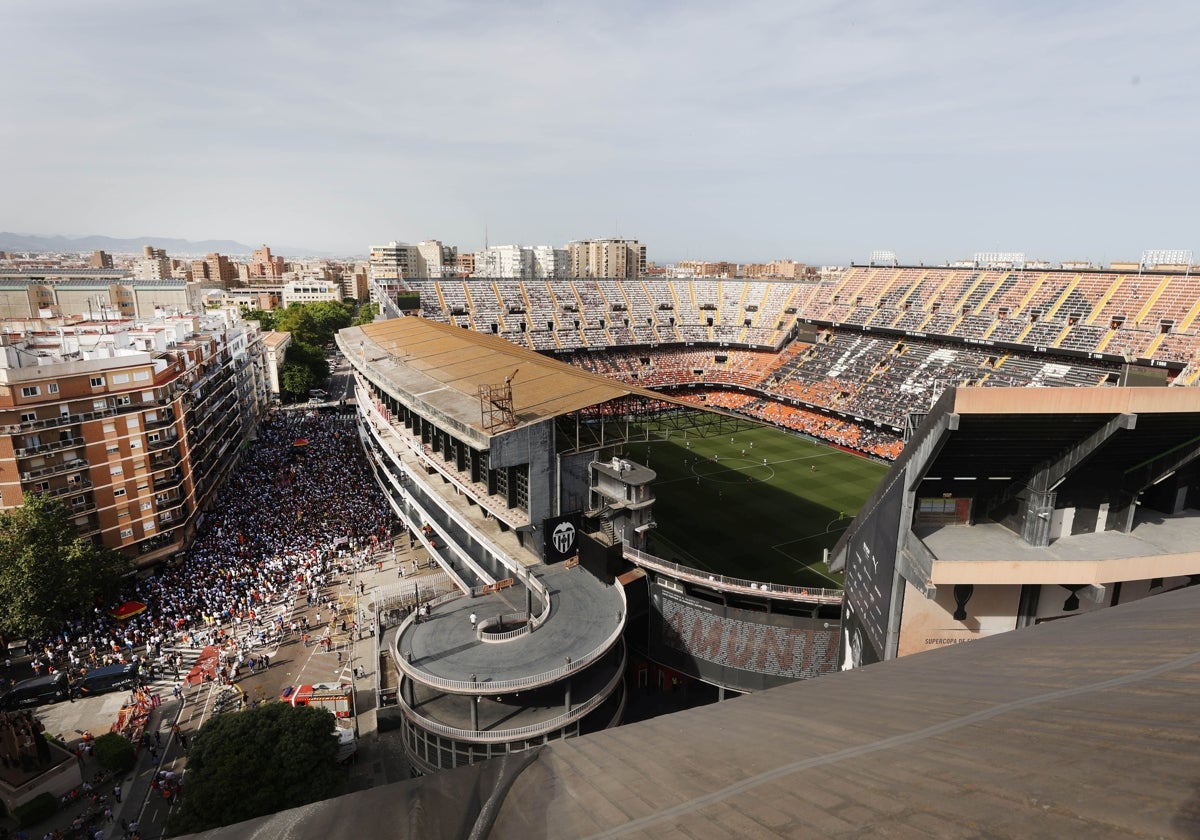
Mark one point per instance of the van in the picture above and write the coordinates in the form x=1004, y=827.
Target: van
x=45, y=689
x=109, y=678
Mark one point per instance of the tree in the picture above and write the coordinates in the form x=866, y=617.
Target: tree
x=114, y=752
x=47, y=573
x=266, y=318
x=296, y=378
x=366, y=315
x=247, y=764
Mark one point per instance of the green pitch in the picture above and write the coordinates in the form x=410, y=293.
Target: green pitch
x=761, y=505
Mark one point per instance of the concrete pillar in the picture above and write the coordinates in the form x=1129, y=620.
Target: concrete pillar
x=474, y=709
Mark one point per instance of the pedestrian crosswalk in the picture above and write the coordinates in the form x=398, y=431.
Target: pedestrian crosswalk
x=169, y=670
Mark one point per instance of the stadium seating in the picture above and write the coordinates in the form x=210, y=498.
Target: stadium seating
x=855, y=385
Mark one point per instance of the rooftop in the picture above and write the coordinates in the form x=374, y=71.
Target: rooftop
x=1083, y=727
x=443, y=366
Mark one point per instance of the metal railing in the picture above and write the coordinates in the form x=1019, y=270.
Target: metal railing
x=500, y=686
x=741, y=585
x=53, y=469
x=525, y=628
x=382, y=427
x=494, y=735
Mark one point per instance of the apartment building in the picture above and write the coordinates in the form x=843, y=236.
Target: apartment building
x=264, y=264
x=607, y=258
x=395, y=261
x=133, y=426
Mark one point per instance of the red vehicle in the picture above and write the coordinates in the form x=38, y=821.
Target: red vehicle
x=338, y=699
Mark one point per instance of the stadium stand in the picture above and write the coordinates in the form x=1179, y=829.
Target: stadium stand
x=891, y=339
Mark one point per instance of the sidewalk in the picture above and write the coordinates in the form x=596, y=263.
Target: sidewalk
x=381, y=759
x=135, y=786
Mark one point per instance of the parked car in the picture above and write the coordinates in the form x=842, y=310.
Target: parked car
x=49, y=688
x=109, y=678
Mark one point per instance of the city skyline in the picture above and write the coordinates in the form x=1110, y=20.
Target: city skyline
x=757, y=132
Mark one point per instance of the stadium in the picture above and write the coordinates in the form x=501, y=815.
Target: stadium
x=729, y=459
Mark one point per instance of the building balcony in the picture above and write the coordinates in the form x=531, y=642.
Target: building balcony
x=71, y=489
x=163, y=443
x=168, y=420
x=165, y=460
x=168, y=482
x=54, y=469
x=58, y=422
x=52, y=446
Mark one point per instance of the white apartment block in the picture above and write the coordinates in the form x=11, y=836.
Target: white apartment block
x=549, y=263
x=311, y=291
x=504, y=261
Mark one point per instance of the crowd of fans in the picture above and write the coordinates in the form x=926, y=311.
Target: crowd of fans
x=300, y=496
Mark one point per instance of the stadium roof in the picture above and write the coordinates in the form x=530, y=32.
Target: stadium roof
x=443, y=366
x=1077, y=728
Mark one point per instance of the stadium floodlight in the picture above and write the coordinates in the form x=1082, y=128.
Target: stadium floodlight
x=1000, y=259
x=1153, y=258
x=884, y=258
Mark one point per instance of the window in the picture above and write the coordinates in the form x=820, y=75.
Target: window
x=141, y=375
x=109, y=428
x=134, y=443
x=99, y=405
x=116, y=470
x=126, y=533
x=28, y=416
x=96, y=381
x=120, y=378
x=112, y=449
x=119, y=492
x=146, y=505
x=30, y=391
x=41, y=487
x=125, y=400
x=52, y=387
x=153, y=437
x=131, y=422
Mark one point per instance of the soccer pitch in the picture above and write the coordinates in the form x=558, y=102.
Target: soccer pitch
x=761, y=505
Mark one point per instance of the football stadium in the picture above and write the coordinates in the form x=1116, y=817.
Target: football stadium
x=656, y=493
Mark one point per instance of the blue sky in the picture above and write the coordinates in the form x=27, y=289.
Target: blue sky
x=747, y=131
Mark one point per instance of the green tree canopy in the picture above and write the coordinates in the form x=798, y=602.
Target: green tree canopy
x=315, y=323
x=296, y=378
x=366, y=315
x=47, y=572
x=265, y=317
x=247, y=764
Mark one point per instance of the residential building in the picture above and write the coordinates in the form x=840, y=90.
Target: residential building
x=606, y=258
x=275, y=344
x=395, y=261
x=263, y=264
x=215, y=270
x=154, y=265
x=438, y=260
x=504, y=261
x=100, y=259
x=354, y=280
x=133, y=426
x=549, y=263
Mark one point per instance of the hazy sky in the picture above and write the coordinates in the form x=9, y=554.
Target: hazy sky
x=744, y=130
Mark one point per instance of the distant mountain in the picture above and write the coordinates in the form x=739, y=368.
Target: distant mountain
x=174, y=247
